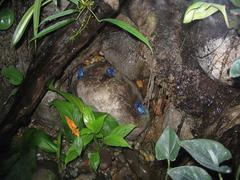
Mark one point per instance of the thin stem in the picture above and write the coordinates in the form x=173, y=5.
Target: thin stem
x=168, y=167
x=220, y=176
x=98, y=20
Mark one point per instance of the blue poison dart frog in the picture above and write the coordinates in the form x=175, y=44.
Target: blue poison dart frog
x=110, y=72
x=139, y=107
x=80, y=73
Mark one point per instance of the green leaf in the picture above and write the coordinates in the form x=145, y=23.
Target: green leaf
x=53, y=27
x=188, y=173
x=71, y=111
x=94, y=159
x=22, y=25
x=130, y=29
x=123, y=130
x=42, y=141
x=201, y=10
x=71, y=98
x=109, y=124
x=58, y=15
x=113, y=140
x=95, y=124
x=208, y=153
x=36, y=16
x=236, y=2
x=87, y=136
x=167, y=146
x=235, y=69
x=74, y=151
x=13, y=75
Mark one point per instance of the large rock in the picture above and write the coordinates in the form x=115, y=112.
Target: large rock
x=116, y=96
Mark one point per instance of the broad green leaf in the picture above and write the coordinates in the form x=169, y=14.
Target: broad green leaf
x=201, y=10
x=208, y=153
x=109, y=124
x=235, y=69
x=123, y=130
x=71, y=111
x=53, y=27
x=58, y=15
x=42, y=141
x=94, y=159
x=36, y=16
x=22, y=25
x=71, y=98
x=167, y=146
x=93, y=123
x=13, y=75
x=113, y=140
x=236, y=2
x=6, y=18
x=130, y=29
x=188, y=173
x=74, y=151
x=87, y=136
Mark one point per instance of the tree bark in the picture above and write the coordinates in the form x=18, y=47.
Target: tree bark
x=54, y=54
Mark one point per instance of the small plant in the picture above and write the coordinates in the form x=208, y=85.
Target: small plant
x=21, y=160
x=201, y=10
x=83, y=7
x=82, y=126
x=208, y=153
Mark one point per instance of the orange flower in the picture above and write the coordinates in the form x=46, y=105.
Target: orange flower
x=72, y=126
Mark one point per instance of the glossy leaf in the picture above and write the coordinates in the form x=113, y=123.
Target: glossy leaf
x=87, y=136
x=113, y=140
x=188, y=173
x=235, y=69
x=208, y=153
x=22, y=25
x=74, y=151
x=58, y=15
x=36, y=16
x=6, y=18
x=94, y=159
x=201, y=10
x=122, y=130
x=236, y=2
x=71, y=98
x=53, y=27
x=13, y=75
x=67, y=109
x=93, y=123
x=109, y=124
x=167, y=146
x=130, y=29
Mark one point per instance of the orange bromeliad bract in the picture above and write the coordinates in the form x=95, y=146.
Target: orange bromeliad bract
x=72, y=126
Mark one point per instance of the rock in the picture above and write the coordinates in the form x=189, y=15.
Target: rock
x=115, y=96
x=48, y=115
x=86, y=177
x=216, y=47
x=124, y=173
x=125, y=53
x=113, y=3
x=42, y=173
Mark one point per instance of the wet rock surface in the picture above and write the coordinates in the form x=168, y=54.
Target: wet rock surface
x=114, y=95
